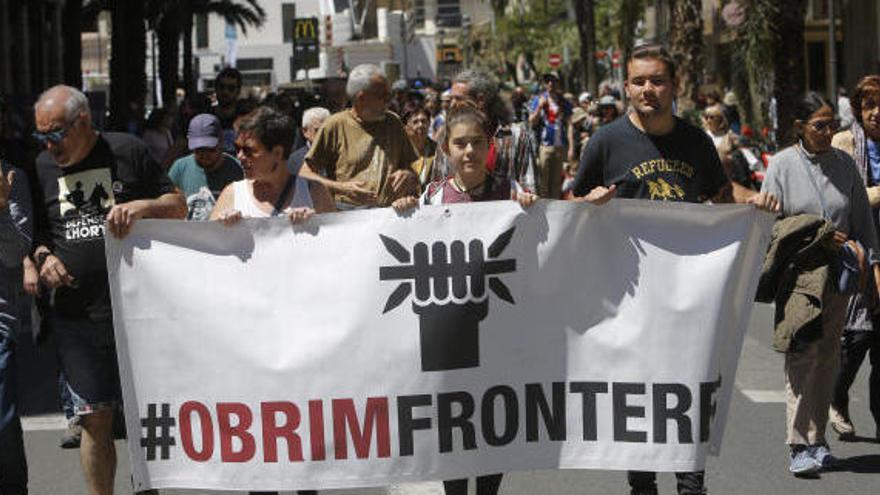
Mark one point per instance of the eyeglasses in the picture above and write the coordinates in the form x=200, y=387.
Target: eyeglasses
x=246, y=151
x=822, y=125
x=53, y=137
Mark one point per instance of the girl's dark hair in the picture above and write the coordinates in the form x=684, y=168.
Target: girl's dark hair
x=271, y=127
x=465, y=112
x=810, y=104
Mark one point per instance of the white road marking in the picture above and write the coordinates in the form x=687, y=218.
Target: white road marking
x=765, y=396
x=48, y=422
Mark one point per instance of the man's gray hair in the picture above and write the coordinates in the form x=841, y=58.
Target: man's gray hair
x=361, y=77
x=76, y=102
x=480, y=83
x=315, y=115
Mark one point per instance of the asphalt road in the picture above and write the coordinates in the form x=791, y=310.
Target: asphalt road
x=754, y=458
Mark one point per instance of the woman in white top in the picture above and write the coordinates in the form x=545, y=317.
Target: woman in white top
x=264, y=140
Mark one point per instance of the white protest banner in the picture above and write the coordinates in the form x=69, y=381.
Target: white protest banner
x=369, y=348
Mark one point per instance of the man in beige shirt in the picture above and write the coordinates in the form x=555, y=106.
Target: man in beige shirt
x=362, y=154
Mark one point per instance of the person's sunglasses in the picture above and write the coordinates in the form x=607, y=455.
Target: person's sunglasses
x=821, y=125
x=53, y=137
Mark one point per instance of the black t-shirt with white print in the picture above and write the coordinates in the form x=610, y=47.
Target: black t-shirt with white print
x=680, y=166
x=73, y=205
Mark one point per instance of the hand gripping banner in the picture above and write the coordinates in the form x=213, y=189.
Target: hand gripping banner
x=370, y=348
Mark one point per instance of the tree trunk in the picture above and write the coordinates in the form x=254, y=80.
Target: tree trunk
x=186, y=22
x=168, y=34
x=586, y=23
x=128, y=77
x=787, y=32
x=72, y=49
x=629, y=14
x=686, y=43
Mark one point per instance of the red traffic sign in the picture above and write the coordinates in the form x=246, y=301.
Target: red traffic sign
x=555, y=60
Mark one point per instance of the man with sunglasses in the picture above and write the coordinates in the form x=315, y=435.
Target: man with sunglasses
x=85, y=178
x=227, y=87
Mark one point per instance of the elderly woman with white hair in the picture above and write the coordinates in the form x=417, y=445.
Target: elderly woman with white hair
x=264, y=139
x=312, y=120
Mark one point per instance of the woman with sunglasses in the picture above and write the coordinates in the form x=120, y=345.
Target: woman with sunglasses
x=264, y=140
x=811, y=177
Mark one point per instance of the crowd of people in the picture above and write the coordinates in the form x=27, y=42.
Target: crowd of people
x=401, y=147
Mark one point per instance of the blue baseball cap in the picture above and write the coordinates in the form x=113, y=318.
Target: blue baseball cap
x=204, y=131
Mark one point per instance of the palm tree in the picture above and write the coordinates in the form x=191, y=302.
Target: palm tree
x=128, y=78
x=686, y=44
x=786, y=24
x=769, y=60
x=173, y=20
x=72, y=49
x=163, y=17
x=629, y=13
x=585, y=18
x=242, y=13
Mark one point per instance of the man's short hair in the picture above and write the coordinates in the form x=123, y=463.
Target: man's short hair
x=653, y=51
x=479, y=83
x=271, y=127
x=76, y=104
x=230, y=73
x=313, y=115
x=360, y=78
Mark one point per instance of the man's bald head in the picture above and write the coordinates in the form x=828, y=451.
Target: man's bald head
x=67, y=99
x=64, y=111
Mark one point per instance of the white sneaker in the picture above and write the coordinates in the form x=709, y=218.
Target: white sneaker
x=840, y=422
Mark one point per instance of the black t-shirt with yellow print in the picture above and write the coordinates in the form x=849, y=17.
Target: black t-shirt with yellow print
x=71, y=206
x=680, y=166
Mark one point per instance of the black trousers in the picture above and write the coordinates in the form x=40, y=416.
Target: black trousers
x=854, y=347
x=645, y=483
x=486, y=485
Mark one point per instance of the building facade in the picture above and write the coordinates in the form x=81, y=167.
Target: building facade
x=408, y=38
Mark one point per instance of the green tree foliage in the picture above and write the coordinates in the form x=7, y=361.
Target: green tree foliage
x=768, y=59
x=753, y=61
x=537, y=31
x=542, y=27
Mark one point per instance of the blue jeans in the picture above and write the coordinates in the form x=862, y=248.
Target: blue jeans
x=13, y=466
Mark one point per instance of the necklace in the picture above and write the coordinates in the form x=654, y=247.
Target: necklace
x=460, y=187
